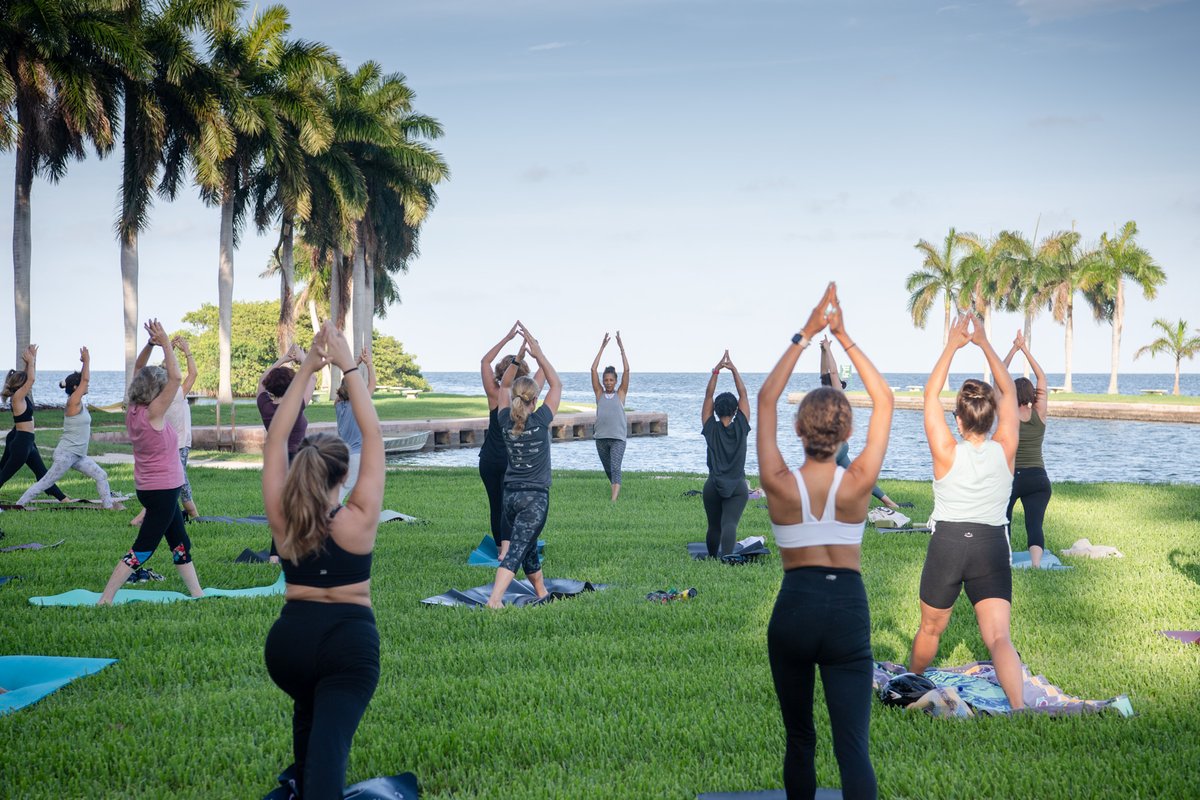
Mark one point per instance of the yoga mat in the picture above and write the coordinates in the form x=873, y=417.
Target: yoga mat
x=117, y=497
x=974, y=689
x=747, y=549
x=249, y=556
x=85, y=597
x=386, y=515
x=30, y=678
x=902, y=530
x=396, y=787
x=1187, y=637
x=485, y=555
x=53, y=505
x=520, y=593
x=769, y=794
x=1022, y=560
x=31, y=546
x=5, y=579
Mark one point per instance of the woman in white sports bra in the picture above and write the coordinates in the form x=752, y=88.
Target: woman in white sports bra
x=821, y=617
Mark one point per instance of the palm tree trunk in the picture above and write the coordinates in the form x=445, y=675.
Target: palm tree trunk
x=286, y=332
x=1117, y=323
x=335, y=313
x=987, y=330
x=316, y=327
x=129, y=296
x=946, y=339
x=359, y=294
x=369, y=315
x=1028, y=337
x=1175, y=391
x=225, y=298
x=1068, y=342
x=22, y=244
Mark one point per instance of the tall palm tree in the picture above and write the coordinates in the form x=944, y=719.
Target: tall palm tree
x=171, y=115
x=1066, y=260
x=1174, y=342
x=940, y=273
x=985, y=278
x=58, y=92
x=267, y=87
x=1023, y=273
x=1119, y=257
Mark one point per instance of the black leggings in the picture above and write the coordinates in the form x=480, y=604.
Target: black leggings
x=526, y=511
x=326, y=657
x=1031, y=485
x=821, y=619
x=163, y=518
x=492, y=474
x=20, y=450
x=724, y=513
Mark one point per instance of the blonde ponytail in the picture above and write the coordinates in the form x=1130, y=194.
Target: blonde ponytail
x=320, y=464
x=524, y=398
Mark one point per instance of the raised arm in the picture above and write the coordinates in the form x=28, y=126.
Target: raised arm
x=486, y=373
x=864, y=470
x=623, y=389
x=597, y=387
x=706, y=408
x=310, y=385
x=143, y=357
x=75, y=401
x=743, y=395
x=293, y=355
x=159, y=405
x=504, y=391
x=937, y=432
x=189, y=378
x=30, y=358
x=368, y=364
x=554, y=394
x=772, y=469
x=1042, y=401
x=1008, y=423
x=366, y=498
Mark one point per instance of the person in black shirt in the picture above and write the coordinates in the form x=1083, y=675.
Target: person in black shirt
x=726, y=427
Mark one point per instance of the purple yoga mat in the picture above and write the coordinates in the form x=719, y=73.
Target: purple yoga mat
x=1187, y=637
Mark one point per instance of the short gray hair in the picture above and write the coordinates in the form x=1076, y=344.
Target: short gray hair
x=147, y=384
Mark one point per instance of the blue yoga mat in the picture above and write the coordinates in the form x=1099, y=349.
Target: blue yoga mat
x=486, y=554
x=1022, y=560
x=30, y=678
x=86, y=597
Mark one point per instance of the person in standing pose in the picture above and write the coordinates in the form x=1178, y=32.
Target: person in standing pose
x=1031, y=484
x=179, y=415
x=157, y=473
x=821, y=618
x=347, y=425
x=20, y=447
x=972, y=479
x=273, y=384
x=611, y=427
x=725, y=425
x=527, y=482
x=71, y=452
x=323, y=651
x=493, y=455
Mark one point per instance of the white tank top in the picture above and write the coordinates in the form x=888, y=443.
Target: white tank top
x=826, y=530
x=976, y=488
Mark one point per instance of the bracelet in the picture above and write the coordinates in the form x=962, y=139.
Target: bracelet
x=716, y=371
x=851, y=347
x=352, y=369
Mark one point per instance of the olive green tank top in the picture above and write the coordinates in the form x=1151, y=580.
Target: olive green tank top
x=1029, y=443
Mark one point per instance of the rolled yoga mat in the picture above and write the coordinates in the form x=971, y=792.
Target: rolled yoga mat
x=28, y=679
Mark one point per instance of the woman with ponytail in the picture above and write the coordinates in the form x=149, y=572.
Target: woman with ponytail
x=323, y=651
x=972, y=480
x=526, y=433
x=71, y=452
x=1031, y=484
x=20, y=448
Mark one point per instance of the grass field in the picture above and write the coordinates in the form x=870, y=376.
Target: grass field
x=605, y=695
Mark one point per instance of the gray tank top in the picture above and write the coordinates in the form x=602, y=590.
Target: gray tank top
x=77, y=430
x=610, y=417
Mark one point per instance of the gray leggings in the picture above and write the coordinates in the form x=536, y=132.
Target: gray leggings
x=612, y=453
x=64, y=461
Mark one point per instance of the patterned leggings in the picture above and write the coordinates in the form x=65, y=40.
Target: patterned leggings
x=526, y=511
x=612, y=453
x=64, y=461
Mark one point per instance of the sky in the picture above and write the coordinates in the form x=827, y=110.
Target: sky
x=693, y=172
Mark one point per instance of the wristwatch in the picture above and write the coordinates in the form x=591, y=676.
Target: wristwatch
x=800, y=339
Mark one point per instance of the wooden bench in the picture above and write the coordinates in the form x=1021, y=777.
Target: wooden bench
x=1154, y=391
x=1056, y=389
x=409, y=394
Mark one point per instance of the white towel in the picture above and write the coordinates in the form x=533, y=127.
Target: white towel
x=1082, y=547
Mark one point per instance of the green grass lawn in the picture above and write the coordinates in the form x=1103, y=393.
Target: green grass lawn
x=605, y=695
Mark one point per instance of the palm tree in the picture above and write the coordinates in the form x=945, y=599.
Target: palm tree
x=1023, y=272
x=58, y=91
x=171, y=115
x=940, y=273
x=266, y=88
x=1065, y=261
x=1174, y=343
x=985, y=279
x=1118, y=258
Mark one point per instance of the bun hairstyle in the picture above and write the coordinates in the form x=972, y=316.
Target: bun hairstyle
x=524, y=398
x=975, y=407
x=146, y=385
x=827, y=380
x=823, y=421
x=1026, y=392
x=13, y=381
x=725, y=405
x=502, y=367
x=278, y=380
x=319, y=465
x=71, y=382
x=611, y=370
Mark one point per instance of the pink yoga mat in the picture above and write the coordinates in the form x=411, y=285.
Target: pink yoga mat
x=1187, y=637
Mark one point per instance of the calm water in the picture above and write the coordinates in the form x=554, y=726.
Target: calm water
x=1075, y=450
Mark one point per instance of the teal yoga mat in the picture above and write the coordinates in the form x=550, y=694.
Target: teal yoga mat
x=28, y=679
x=486, y=555
x=86, y=597
x=1022, y=560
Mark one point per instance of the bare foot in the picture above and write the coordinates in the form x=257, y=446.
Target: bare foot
x=70, y=500
x=116, y=507
x=136, y=521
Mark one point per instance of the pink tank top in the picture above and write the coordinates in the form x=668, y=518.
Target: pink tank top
x=156, y=462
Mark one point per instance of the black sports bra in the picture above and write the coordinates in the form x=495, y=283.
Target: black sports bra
x=27, y=414
x=331, y=566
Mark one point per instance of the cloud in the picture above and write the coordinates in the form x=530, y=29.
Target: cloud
x=1065, y=121
x=1039, y=11
x=549, y=46
x=538, y=173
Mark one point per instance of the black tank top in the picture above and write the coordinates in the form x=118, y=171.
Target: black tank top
x=493, y=452
x=27, y=414
x=331, y=566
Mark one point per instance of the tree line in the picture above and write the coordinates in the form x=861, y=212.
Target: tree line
x=273, y=130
